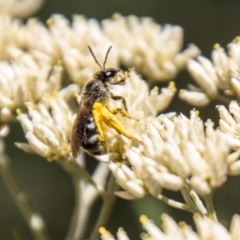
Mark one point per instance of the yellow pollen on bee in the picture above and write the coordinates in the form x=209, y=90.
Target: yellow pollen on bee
x=101, y=114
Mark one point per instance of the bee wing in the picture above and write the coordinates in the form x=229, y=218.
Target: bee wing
x=78, y=131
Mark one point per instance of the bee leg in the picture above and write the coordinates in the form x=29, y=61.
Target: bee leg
x=110, y=120
x=122, y=112
x=105, y=115
x=98, y=120
x=122, y=99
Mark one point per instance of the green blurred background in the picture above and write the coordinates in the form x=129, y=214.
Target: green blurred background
x=205, y=22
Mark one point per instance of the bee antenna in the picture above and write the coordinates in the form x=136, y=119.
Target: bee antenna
x=91, y=51
x=106, y=56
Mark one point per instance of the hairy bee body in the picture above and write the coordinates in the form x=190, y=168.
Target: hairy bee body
x=87, y=132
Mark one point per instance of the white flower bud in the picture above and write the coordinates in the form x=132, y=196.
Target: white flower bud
x=235, y=227
x=5, y=114
x=225, y=116
x=236, y=85
x=208, y=67
x=194, y=98
x=202, y=78
x=200, y=186
x=151, y=228
x=234, y=168
x=182, y=58
x=196, y=162
x=234, y=109
x=122, y=235
x=38, y=146
x=135, y=189
x=25, y=122
x=175, y=160
x=226, y=128
x=170, y=181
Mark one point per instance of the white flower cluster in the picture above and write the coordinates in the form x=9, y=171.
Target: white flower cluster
x=20, y=8
x=48, y=124
x=23, y=83
x=152, y=49
x=229, y=124
x=32, y=54
x=216, y=77
x=175, y=151
x=206, y=229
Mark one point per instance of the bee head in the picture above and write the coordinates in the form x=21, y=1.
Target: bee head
x=107, y=75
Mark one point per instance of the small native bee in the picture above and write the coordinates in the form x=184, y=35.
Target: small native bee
x=87, y=132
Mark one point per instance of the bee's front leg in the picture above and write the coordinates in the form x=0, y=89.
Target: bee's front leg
x=122, y=99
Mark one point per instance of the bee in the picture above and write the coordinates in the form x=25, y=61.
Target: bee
x=87, y=132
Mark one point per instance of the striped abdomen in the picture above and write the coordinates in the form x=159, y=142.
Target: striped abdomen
x=92, y=142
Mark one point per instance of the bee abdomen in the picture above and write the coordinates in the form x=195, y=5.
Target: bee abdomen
x=96, y=148
x=92, y=143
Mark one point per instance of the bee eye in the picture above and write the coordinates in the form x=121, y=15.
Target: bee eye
x=108, y=74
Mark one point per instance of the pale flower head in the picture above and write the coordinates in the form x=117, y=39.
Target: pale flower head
x=53, y=114
x=24, y=82
x=221, y=75
x=152, y=49
x=47, y=126
x=229, y=124
x=20, y=8
x=207, y=228
x=174, y=151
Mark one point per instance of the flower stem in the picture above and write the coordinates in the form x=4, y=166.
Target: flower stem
x=174, y=203
x=79, y=172
x=75, y=231
x=223, y=99
x=187, y=197
x=106, y=208
x=87, y=189
x=210, y=207
x=34, y=220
